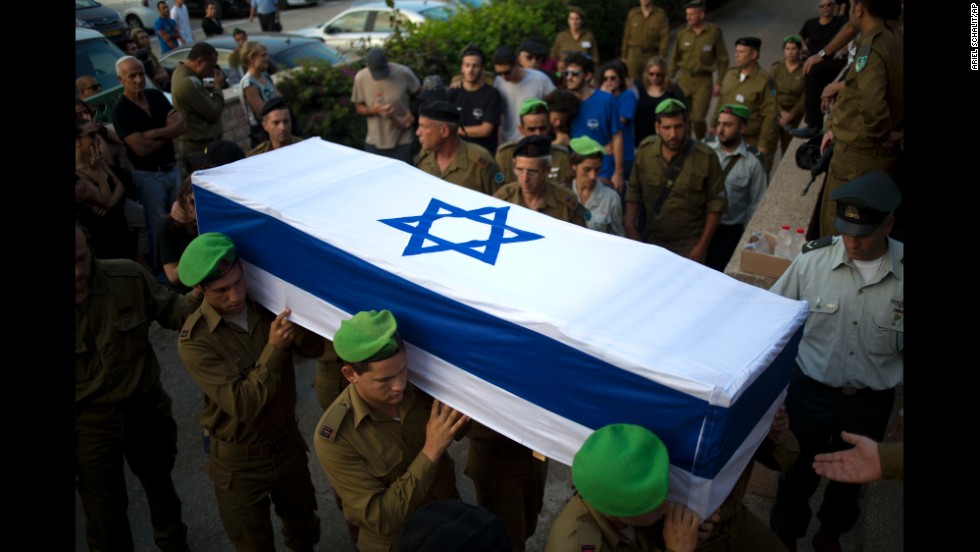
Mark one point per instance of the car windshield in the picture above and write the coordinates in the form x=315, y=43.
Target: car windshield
x=294, y=56
x=82, y=4
x=97, y=58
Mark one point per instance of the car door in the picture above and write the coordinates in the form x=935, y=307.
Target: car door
x=348, y=30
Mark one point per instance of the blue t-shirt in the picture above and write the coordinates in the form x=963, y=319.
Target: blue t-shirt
x=626, y=106
x=168, y=25
x=598, y=119
x=264, y=7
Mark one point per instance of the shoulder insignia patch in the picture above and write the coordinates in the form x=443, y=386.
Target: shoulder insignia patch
x=482, y=162
x=817, y=244
x=185, y=331
x=498, y=178
x=755, y=151
x=332, y=419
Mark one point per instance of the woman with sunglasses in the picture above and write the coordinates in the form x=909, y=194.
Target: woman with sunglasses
x=614, y=80
x=653, y=88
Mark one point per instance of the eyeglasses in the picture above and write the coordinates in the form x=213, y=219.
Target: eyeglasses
x=573, y=73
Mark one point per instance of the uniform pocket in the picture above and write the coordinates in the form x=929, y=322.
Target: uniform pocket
x=821, y=323
x=381, y=465
x=889, y=334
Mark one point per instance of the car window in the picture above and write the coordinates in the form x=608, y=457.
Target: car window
x=97, y=58
x=82, y=4
x=294, y=56
x=384, y=22
x=354, y=22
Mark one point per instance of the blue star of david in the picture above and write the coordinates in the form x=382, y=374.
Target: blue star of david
x=495, y=217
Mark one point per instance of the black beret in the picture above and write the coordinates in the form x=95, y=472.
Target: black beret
x=449, y=526
x=440, y=110
x=750, y=41
x=533, y=146
x=532, y=47
x=278, y=102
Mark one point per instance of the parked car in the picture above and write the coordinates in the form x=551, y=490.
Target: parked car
x=298, y=3
x=286, y=51
x=370, y=24
x=136, y=13
x=89, y=14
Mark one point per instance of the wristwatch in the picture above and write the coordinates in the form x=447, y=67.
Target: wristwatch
x=821, y=53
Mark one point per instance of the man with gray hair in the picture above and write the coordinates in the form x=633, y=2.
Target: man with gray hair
x=148, y=124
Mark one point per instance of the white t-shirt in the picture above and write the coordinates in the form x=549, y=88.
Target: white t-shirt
x=535, y=84
x=183, y=23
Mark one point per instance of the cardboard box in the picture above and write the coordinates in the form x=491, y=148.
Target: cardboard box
x=764, y=263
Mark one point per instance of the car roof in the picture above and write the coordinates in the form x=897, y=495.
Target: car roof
x=273, y=42
x=413, y=5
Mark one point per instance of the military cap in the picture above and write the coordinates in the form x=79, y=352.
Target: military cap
x=529, y=104
x=864, y=202
x=586, y=146
x=670, y=106
x=695, y=4
x=740, y=111
x=208, y=257
x=795, y=39
x=237, y=30
x=622, y=470
x=135, y=31
x=533, y=146
x=450, y=525
x=368, y=336
x=533, y=47
x=440, y=110
x=750, y=41
x=273, y=104
x=377, y=63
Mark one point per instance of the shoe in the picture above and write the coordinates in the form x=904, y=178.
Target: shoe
x=825, y=541
x=806, y=132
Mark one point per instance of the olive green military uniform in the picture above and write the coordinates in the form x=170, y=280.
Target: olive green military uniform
x=564, y=44
x=256, y=448
x=754, y=93
x=509, y=481
x=473, y=167
x=201, y=109
x=557, y=202
x=121, y=409
x=644, y=36
x=699, y=190
x=788, y=89
x=579, y=525
x=375, y=464
x=561, y=164
x=267, y=146
x=692, y=61
x=868, y=109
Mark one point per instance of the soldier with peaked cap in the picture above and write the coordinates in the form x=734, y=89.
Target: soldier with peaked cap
x=532, y=163
x=621, y=477
x=240, y=355
x=444, y=155
x=851, y=356
x=381, y=444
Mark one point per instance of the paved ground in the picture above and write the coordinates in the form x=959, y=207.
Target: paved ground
x=881, y=528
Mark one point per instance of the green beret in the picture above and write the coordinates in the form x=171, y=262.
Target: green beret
x=530, y=103
x=622, y=470
x=670, y=106
x=368, y=336
x=794, y=39
x=586, y=146
x=208, y=257
x=740, y=111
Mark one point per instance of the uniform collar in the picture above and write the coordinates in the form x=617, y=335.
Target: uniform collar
x=361, y=409
x=212, y=317
x=457, y=162
x=610, y=534
x=892, y=264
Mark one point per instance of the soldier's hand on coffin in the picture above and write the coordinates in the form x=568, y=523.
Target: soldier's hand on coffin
x=680, y=529
x=708, y=526
x=444, y=423
x=282, y=332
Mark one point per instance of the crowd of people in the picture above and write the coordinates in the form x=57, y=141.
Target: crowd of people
x=626, y=147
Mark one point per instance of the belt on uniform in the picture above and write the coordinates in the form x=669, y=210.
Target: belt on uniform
x=159, y=168
x=698, y=73
x=235, y=451
x=849, y=391
x=643, y=50
x=874, y=151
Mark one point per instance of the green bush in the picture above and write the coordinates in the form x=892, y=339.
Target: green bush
x=319, y=97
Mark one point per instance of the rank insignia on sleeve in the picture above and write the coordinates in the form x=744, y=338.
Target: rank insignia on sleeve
x=184, y=334
x=326, y=431
x=482, y=162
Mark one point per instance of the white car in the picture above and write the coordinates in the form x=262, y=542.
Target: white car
x=136, y=13
x=370, y=24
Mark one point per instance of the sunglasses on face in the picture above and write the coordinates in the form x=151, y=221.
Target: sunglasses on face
x=573, y=73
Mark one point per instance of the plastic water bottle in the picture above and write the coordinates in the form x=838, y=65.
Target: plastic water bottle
x=799, y=240
x=784, y=243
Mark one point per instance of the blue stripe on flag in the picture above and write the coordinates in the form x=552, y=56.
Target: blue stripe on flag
x=541, y=370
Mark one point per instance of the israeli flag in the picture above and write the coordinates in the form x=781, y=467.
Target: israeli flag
x=540, y=329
